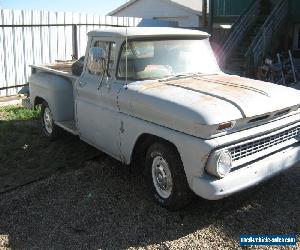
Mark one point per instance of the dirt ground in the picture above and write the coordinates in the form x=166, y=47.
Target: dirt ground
x=67, y=195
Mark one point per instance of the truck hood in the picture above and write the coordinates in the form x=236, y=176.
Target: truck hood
x=196, y=105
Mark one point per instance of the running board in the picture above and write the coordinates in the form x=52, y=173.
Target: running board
x=69, y=126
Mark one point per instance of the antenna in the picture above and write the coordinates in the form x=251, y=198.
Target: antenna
x=126, y=42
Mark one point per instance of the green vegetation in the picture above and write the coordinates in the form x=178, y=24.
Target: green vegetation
x=10, y=113
x=26, y=155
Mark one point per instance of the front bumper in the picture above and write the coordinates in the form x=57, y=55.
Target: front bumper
x=211, y=188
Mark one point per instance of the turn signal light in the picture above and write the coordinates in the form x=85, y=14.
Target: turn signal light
x=225, y=125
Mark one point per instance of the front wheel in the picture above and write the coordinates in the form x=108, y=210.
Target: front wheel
x=166, y=177
x=49, y=128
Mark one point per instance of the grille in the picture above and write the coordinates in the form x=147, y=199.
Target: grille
x=253, y=147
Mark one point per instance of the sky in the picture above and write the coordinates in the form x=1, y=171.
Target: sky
x=100, y=7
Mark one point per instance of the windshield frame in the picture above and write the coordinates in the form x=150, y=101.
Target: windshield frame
x=152, y=38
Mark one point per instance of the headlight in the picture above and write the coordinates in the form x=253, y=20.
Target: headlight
x=220, y=163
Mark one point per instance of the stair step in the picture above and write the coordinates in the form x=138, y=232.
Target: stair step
x=234, y=66
x=236, y=58
x=257, y=25
x=236, y=61
x=244, y=49
x=240, y=55
x=251, y=38
x=254, y=32
x=234, y=71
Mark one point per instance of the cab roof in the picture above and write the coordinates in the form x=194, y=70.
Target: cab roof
x=121, y=32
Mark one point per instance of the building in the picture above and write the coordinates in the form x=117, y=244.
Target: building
x=185, y=13
x=188, y=13
x=226, y=12
x=294, y=22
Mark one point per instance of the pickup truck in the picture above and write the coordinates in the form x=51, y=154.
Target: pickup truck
x=155, y=98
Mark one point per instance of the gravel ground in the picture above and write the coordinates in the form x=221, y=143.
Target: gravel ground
x=104, y=206
x=14, y=100
x=83, y=199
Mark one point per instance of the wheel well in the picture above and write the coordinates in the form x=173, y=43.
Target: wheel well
x=38, y=100
x=140, y=148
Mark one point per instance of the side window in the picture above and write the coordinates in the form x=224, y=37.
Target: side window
x=127, y=52
x=109, y=48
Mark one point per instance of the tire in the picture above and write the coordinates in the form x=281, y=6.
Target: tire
x=166, y=177
x=49, y=128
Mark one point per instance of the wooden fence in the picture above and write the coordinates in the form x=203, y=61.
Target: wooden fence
x=35, y=37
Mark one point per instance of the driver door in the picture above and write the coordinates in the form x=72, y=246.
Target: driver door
x=96, y=103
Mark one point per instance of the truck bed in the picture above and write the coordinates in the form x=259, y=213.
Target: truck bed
x=59, y=68
x=61, y=85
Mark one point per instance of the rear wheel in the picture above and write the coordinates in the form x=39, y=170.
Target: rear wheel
x=49, y=128
x=166, y=177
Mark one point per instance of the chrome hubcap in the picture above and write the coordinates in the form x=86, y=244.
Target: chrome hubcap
x=161, y=176
x=48, y=120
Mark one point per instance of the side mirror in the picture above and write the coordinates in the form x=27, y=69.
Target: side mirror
x=97, y=60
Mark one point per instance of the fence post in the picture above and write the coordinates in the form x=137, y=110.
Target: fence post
x=211, y=16
x=204, y=14
x=74, y=41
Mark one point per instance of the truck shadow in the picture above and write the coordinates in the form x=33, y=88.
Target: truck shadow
x=92, y=203
x=26, y=156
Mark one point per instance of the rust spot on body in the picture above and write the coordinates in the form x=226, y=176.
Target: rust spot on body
x=152, y=85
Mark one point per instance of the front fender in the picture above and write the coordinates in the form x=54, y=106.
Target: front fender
x=193, y=151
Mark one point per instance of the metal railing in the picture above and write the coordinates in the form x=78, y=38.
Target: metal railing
x=263, y=40
x=239, y=30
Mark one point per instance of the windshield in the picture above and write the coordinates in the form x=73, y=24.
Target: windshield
x=163, y=58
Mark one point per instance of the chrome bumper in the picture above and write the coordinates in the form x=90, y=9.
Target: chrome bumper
x=211, y=188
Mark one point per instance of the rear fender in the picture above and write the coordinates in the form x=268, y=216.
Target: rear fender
x=56, y=90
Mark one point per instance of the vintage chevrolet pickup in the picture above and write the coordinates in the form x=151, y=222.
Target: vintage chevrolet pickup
x=156, y=98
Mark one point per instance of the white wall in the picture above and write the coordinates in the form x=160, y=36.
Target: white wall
x=193, y=4
x=160, y=10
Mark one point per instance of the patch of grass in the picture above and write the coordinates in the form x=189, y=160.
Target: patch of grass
x=25, y=154
x=19, y=113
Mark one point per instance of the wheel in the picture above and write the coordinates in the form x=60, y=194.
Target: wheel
x=49, y=129
x=166, y=177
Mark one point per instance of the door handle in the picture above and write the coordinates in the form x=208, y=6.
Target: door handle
x=82, y=84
